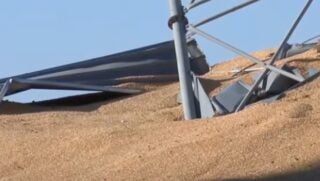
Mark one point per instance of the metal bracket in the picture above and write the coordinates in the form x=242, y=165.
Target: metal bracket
x=176, y=18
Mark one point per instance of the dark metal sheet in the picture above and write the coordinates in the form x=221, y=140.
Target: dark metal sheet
x=99, y=74
x=157, y=59
x=231, y=97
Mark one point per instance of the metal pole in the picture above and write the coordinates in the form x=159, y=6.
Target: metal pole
x=275, y=57
x=179, y=35
x=238, y=7
x=244, y=54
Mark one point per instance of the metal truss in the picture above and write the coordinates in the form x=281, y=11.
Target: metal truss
x=182, y=30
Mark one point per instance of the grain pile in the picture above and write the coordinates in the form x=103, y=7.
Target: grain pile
x=143, y=137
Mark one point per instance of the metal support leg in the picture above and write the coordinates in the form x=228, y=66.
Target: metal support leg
x=244, y=54
x=179, y=34
x=274, y=58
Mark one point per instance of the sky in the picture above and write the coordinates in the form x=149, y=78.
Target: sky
x=38, y=34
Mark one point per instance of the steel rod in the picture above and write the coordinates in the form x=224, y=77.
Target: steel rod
x=275, y=57
x=310, y=39
x=196, y=4
x=231, y=10
x=220, y=15
x=243, y=53
x=179, y=35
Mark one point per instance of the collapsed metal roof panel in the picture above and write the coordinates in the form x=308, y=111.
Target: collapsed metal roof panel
x=156, y=59
x=101, y=74
x=98, y=74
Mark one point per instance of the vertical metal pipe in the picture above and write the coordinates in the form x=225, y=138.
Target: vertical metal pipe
x=179, y=35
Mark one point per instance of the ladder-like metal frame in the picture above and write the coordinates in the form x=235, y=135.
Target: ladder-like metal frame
x=181, y=29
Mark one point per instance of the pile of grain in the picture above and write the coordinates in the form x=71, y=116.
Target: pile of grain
x=143, y=137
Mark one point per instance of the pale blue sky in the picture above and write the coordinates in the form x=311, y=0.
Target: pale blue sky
x=37, y=34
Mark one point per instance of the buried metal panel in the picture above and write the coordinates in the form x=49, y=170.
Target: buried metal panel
x=272, y=99
x=231, y=97
x=277, y=83
x=310, y=75
x=312, y=72
x=205, y=108
x=219, y=109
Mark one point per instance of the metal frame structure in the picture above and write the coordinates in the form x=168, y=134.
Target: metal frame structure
x=183, y=30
